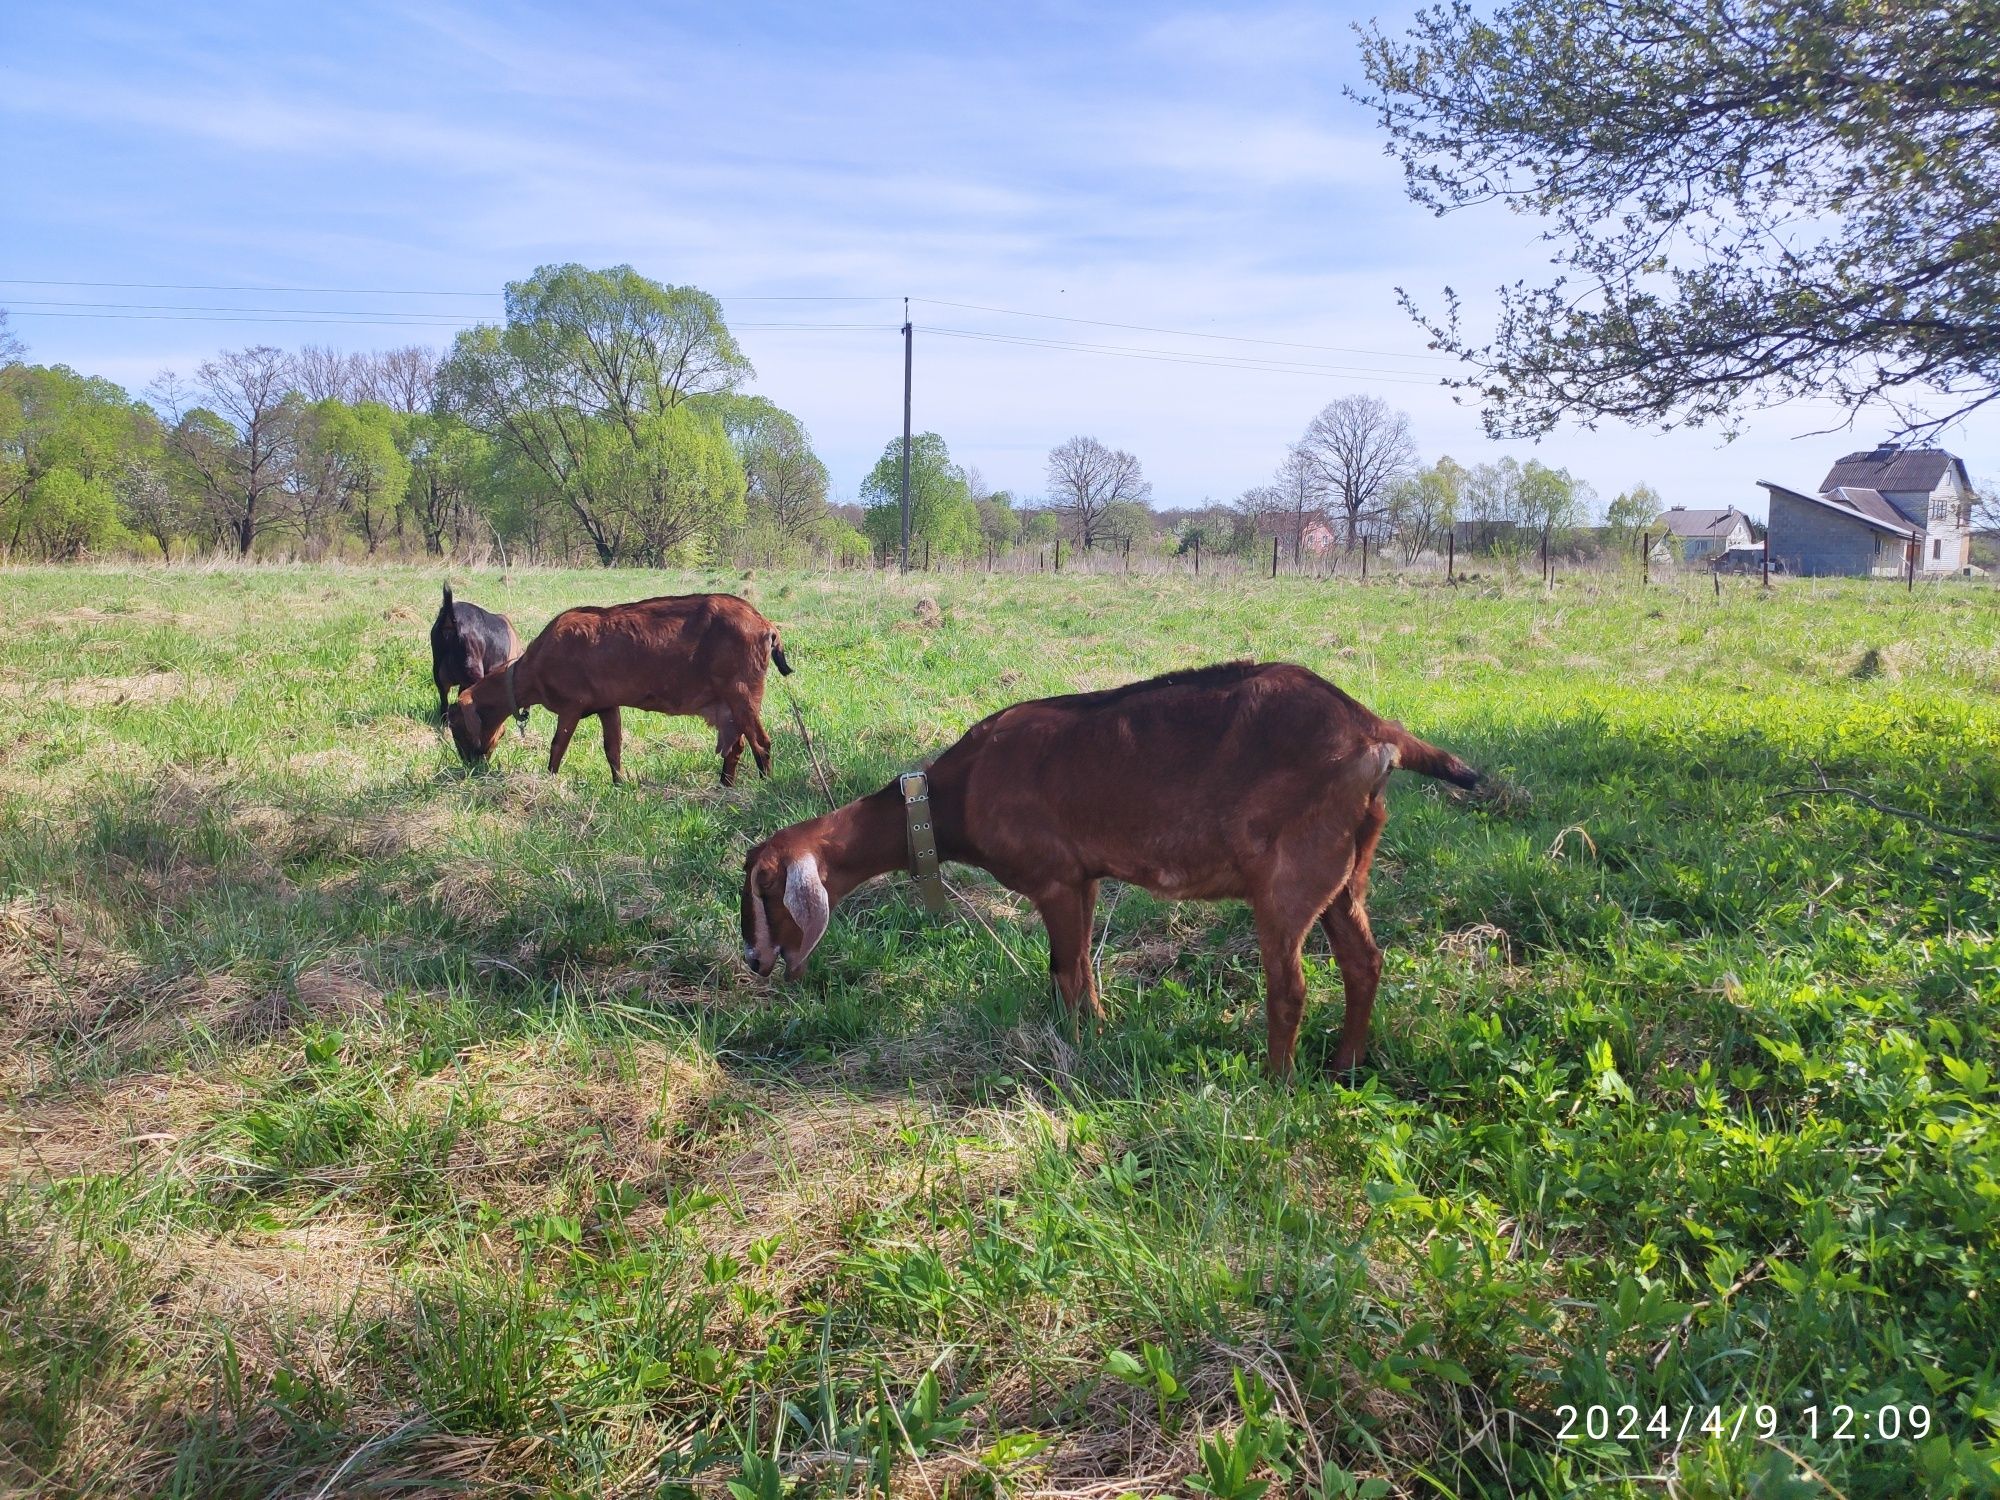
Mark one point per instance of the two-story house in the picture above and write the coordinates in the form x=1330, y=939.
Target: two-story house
x=1871, y=511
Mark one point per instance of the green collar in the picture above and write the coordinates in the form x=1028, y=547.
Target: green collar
x=922, y=826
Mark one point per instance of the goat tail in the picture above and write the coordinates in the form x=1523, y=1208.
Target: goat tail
x=778, y=655
x=1413, y=754
x=447, y=615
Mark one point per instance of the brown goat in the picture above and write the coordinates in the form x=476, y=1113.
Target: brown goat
x=699, y=654
x=1253, y=782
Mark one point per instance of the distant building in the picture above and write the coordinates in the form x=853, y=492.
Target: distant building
x=1871, y=511
x=1703, y=535
x=1312, y=540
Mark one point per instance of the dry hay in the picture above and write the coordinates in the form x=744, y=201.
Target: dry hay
x=60, y=976
x=810, y=1162
x=319, y=1269
x=551, y=1104
x=62, y=982
x=135, y=1121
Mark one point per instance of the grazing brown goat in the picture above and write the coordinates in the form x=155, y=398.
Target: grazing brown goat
x=699, y=654
x=1253, y=782
x=467, y=642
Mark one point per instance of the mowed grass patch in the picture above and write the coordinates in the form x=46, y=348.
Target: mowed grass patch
x=368, y=1123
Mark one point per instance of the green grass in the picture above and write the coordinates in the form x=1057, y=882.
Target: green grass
x=368, y=1124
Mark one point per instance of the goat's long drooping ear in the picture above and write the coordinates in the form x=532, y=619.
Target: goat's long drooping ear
x=805, y=899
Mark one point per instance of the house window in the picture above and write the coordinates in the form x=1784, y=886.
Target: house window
x=1937, y=548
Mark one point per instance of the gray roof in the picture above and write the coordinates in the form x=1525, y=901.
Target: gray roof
x=1705, y=523
x=1891, y=468
x=1865, y=506
x=1869, y=503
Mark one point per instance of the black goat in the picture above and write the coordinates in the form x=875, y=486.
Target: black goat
x=467, y=642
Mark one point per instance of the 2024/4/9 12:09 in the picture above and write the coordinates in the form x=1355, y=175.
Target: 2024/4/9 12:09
x=1838, y=1423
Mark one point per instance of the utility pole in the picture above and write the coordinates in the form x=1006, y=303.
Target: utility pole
x=906, y=436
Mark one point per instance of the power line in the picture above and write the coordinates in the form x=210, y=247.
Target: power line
x=375, y=291
x=1168, y=356
x=1186, y=333
x=1010, y=312
x=369, y=320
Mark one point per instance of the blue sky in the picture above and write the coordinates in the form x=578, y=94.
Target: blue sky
x=1192, y=170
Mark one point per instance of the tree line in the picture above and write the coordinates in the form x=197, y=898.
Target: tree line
x=604, y=419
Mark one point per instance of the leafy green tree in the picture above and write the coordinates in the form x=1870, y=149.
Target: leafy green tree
x=1748, y=199
x=999, y=525
x=1551, y=501
x=1633, y=513
x=941, y=508
x=785, y=481
x=592, y=385
x=64, y=441
x=361, y=445
x=448, y=463
x=1423, y=506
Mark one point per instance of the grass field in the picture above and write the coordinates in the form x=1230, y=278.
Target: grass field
x=369, y=1126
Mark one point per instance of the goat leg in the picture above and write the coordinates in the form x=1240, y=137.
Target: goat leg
x=1068, y=914
x=559, y=746
x=613, y=724
x=1281, y=937
x=1360, y=961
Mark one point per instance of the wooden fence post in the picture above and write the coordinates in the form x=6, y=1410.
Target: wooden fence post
x=1274, y=557
x=927, y=554
x=1364, y=559
x=1451, y=558
x=1197, y=554
x=1058, y=554
x=1767, y=557
x=1128, y=554
x=1645, y=557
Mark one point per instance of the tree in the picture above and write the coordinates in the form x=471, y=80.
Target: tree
x=1299, y=490
x=1423, y=506
x=239, y=447
x=1086, y=479
x=12, y=350
x=1633, y=513
x=784, y=479
x=1551, y=500
x=358, y=447
x=1358, y=448
x=154, y=500
x=941, y=508
x=1751, y=200
x=322, y=374
x=587, y=386
x=447, y=461
x=404, y=380
x=64, y=440
x=999, y=524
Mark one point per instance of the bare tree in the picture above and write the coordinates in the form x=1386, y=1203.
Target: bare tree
x=238, y=443
x=1359, y=447
x=11, y=347
x=1300, y=491
x=1086, y=479
x=404, y=380
x=322, y=374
